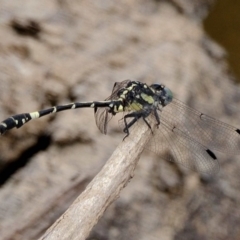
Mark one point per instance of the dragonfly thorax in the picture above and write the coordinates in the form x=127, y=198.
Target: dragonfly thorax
x=136, y=96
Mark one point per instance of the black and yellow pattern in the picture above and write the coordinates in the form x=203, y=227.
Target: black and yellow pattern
x=128, y=96
x=184, y=134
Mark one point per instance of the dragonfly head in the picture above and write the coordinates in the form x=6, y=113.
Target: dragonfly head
x=164, y=94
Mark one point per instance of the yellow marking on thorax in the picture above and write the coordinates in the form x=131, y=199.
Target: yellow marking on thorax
x=131, y=87
x=147, y=98
x=135, y=106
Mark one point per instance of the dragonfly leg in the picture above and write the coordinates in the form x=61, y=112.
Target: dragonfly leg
x=135, y=115
x=157, y=117
x=128, y=125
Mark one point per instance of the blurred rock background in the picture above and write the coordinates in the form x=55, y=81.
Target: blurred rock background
x=55, y=52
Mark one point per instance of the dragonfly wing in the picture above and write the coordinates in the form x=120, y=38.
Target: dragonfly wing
x=175, y=146
x=204, y=129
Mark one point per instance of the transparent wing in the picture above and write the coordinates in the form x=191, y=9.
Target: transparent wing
x=175, y=146
x=102, y=117
x=206, y=130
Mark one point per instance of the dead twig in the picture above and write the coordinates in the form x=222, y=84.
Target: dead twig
x=84, y=213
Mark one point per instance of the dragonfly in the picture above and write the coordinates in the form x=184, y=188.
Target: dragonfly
x=183, y=134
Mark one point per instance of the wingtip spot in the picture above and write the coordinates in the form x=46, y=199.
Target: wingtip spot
x=211, y=154
x=238, y=131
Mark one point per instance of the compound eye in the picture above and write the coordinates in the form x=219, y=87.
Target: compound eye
x=167, y=96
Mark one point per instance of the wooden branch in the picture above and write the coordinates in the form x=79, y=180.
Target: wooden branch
x=84, y=213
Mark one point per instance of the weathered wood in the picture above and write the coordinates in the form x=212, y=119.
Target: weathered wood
x=83, y=214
